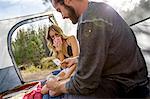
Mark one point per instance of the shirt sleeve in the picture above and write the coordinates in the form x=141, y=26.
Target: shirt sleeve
x=94, y=48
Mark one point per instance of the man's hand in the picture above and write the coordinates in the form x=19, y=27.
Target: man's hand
x=54, y=93
x=68, y=62
x=53, y=86
x=56, y=87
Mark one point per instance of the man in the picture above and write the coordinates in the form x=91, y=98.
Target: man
x=110, y=63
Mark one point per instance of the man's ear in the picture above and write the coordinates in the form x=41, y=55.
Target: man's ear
x=67, y=2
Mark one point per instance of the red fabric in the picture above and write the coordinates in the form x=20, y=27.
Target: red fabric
x=34, y=94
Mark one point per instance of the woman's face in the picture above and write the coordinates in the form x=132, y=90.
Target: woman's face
x=53, y=34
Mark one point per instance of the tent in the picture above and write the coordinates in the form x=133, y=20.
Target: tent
x=141, y=29
x=10, y=75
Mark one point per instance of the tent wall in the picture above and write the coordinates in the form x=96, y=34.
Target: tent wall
x=5, y=59
x=7, y=27
x=142, y=33
x=8, y=79
x=10, y=76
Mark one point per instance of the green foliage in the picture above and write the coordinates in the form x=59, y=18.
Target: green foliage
x=47, y=62
x=29, y=47
x=32, y=69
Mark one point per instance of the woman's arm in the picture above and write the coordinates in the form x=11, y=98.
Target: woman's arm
x=70, y=72
x=75, y=51
x=67, y=74
x=74, y=45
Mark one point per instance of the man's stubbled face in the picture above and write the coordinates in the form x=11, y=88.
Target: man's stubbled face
x=71, y=14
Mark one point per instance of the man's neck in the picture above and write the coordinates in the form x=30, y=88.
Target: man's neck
x=82, y=7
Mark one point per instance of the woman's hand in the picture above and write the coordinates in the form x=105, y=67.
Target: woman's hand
x=68, y=62
x=57, y=43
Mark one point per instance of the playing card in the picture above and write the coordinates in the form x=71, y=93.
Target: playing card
x=57, y=61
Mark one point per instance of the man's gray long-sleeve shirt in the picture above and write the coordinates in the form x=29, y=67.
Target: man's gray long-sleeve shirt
x=108, y=51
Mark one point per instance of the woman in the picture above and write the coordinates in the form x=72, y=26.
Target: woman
x=62, y=47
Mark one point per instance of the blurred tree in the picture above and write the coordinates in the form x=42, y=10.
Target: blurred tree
x=29, y=46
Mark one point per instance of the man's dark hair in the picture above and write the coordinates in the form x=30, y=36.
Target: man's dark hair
x=58, y=1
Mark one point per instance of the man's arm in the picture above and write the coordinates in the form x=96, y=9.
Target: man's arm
x=94, y=47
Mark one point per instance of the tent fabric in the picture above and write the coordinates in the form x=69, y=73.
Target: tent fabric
x=142, y=34
x=5, y=59
x=8, y=79
x=5, y=27
x=10, y=76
